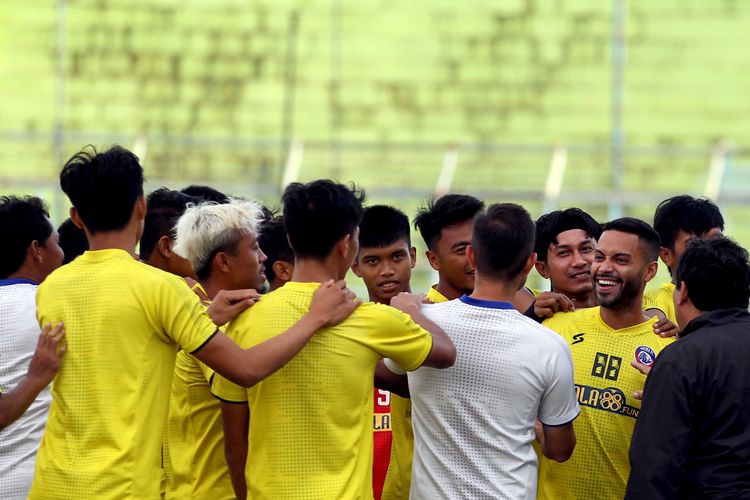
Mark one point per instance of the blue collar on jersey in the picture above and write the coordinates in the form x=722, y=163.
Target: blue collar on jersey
x=492, y=304
x=17, y=281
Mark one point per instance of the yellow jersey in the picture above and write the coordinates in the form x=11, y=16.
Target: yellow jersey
x=604, y=384
x=398, y=478
x=310, y=430
x=661, y=298
x=436, y=297
x=125, y=321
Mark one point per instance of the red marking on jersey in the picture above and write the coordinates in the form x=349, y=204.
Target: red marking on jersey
x=381, y=440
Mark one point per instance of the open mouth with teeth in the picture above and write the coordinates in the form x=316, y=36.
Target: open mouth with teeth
x=606, y=284
x=581, y=276
x=389, y=286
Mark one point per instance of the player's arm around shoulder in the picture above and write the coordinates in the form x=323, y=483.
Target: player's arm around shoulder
x=443, y=352
x=331, y=304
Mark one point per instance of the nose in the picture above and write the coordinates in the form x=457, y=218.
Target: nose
x=578, y=260
x=386, y=269
x=262, y=257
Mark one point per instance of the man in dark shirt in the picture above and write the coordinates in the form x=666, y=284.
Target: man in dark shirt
x=692, y=437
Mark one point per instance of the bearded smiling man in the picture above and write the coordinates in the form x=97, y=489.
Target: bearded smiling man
x=603, y=341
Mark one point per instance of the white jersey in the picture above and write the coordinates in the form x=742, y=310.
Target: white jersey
x=19, y=332
x=474, y=422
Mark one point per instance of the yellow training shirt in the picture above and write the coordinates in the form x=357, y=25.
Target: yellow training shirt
x=311, y=422
x=194, y=460
x=436, y=297
x=661, y=298
x=124, y=321
x=604, y=384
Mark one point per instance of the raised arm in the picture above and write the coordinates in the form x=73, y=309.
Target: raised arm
x=443, y=352
x=331, y=304
x=42, y=369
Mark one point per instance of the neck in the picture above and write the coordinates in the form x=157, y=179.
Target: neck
x=629, y=315
x=582, y=300
x=449, y=291
x=316, y=271
x=28, y=273
x=213, y=286
x=121, y=240
x=489, y=289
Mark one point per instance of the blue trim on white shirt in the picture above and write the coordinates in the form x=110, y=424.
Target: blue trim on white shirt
x=17, y=281
x=491, y=304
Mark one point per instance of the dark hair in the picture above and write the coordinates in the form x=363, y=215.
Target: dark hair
x=165, y=207
x=72, y=240
x=383, y=225
x=647, y=237
x=503, y=239
x=318, y=214
x=103, y=187
x=550, y=225
x=445, y=211
x=22, y=220
x=685, y=213
x=717, y=273
x=205, y=193
x=274, y=244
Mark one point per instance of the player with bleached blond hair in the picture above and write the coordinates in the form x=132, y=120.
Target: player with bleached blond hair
x=221, y=243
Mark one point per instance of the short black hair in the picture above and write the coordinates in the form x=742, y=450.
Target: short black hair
x=205, y=193
x=445, y=211
x=550, y=225
x=685, y=213
x=22, y=220
x=383, y=225
x=647, y=237
x=273, y=242
x=503, y=239
x=103, y=186
x=73, y=240
x=717, y=273
x=165, y=207
x=318, y=214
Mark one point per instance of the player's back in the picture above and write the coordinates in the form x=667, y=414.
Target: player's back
x=474, y=422
x=123, y=321
x=19, y=332
x=311, y=421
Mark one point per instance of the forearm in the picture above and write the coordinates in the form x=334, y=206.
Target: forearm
x=235, y=419
x=16, y=402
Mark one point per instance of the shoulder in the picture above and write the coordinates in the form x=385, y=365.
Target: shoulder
x=564, y=320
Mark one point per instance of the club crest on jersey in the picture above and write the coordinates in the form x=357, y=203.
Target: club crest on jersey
x=645, y=355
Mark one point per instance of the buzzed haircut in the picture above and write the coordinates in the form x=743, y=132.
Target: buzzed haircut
x=550, y=225
x=717, y=273
x=22, y=220
x=503, y=240
x=443, y=212
x=274, y=243
x=209, y=228
x=647, y=237
x=73, y=240
x=318, y=214
x=684, y=213
x=383, y=225
x=206, y=193
x=103, y=187
x=165, y=206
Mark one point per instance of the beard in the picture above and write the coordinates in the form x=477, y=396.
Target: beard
x=629, y=291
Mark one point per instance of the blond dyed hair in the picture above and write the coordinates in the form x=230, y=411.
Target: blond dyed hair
x=207, y=228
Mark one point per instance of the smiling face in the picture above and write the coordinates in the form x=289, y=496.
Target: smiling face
x=386, y=270
x=620, y=270
x=449, y=258
x=568, y=264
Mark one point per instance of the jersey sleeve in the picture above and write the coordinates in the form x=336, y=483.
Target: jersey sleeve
x=393, y=334
x=182, y=316
x=222, y=388
x=559, y=405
